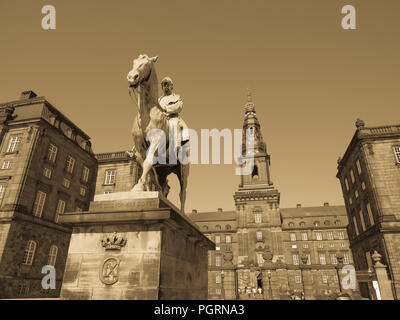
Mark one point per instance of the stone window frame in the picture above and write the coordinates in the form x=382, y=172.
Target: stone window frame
x=292, y=236
x=297, y=278
x=29, y=253
x=47, y=172
x=60, y=209
x=358, y=166
x=259, y=235
x=85, y=174
x=304, y=236
x=70, y=162
x=396, y=152
x=6, y=165
x=52, y=152
x=53, y=252
x=228, y=236
x=370, y=214
x=109, y=179
x=13, y=142
x=322, y=258
x=296, y=260
x=39, y=204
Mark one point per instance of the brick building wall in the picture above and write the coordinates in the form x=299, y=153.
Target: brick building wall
x=369, y=173
x=33, y=189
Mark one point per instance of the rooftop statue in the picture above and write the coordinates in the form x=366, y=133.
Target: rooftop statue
x=154, y=120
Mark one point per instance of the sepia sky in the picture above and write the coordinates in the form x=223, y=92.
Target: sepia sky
x=310, y=79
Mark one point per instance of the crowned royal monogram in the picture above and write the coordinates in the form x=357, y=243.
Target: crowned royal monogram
x=113, y=242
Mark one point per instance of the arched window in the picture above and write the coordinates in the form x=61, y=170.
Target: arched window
x=218, y=227
x=291, y=224
x=228, y=227
x=316, y=223
x=52, y=256
x=327, y=222
x=302, y=224
x=254, y=173
x=338, y=222
x=205, y=228
x=29, y=252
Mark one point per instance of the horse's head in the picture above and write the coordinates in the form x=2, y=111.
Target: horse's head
x=141, y=70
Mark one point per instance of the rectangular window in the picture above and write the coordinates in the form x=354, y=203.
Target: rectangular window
x=217, y=239
x=82, y=191
x=70, y=164
x=346, y=258
x=333, y=258
x=60, y=208
x=259, y=235
x=47, y=172
x=218, y=260
x=296, y=259
x=2, y=191
x=318, y=235
x=218, y=290
x=52, y=153
x=330, y=235
x=341, y=235
x=363, y=186
x=308, y=258
x=355, y=225
x=325, y=278
x=332, y=245
x=13, y=143
x=110, y=177
x=85, y=174
x=304, y=236
x=39, y=204
x=260, y=259
x=6, y=165
x=342, y=245
x=353, y=179
x=218, y=278
x=228, y=239
x=370, y=215
x=322, y=258
x=292, y=237
x=257, y=218
x=358, y=167
x=320, y=245
x=362, y=220
x=396, y=151
x=66, y=183
x=297, y=279
x=305, y=246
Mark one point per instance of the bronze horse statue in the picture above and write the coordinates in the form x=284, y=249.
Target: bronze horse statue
x=151, y=122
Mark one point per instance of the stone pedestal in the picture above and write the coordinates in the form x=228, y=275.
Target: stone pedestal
x=134, y=246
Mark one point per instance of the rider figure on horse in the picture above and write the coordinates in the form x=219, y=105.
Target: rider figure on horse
x=172, y=104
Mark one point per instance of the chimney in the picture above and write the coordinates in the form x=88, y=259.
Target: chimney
x=194, y=210
x=298, y=205
x=326, y=204
x=29, y=94
x=219, y=209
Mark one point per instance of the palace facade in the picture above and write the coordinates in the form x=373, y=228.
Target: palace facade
x=47, y=166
